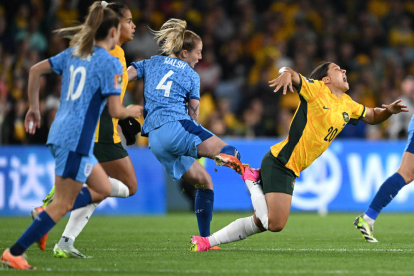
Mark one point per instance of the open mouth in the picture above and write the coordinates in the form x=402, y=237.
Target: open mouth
x=344, y=78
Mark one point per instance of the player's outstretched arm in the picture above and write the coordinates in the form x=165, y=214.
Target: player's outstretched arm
x=117, y=110
x=378, y=115
x=287, y=77
x=32, y=120
x=132, y=74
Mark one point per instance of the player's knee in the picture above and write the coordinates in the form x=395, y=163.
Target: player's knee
x=133, y=187
x=275, y=226
x=407, y=174
x=230, y=150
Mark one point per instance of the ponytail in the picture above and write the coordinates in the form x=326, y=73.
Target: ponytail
x=99, y=21
x=173, y=37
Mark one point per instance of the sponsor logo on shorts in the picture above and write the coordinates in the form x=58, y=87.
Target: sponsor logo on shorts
x=88, y=169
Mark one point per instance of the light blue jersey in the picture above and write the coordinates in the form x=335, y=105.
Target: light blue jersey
x=85, y=85
x=169, y=84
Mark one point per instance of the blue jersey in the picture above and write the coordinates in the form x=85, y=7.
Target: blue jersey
x=85, y=85
x=169, y=84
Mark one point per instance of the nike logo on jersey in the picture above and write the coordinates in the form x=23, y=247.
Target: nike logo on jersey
x=325, y=107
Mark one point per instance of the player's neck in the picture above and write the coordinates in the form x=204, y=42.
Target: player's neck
x=335, y=91
x=104, y=44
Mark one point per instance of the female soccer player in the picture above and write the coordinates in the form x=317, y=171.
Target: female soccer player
x=323, y=112
x=108, y=150
x=70, y=138
x=175, y=138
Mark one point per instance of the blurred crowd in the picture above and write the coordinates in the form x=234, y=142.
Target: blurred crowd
x=245, y=42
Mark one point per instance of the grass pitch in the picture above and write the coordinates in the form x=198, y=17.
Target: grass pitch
x=309, y=245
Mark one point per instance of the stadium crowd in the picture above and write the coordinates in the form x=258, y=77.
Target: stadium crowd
x=245, y=42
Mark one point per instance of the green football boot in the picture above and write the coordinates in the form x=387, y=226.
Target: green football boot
x=366, y=229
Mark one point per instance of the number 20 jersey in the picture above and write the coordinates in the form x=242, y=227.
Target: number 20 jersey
x=169, y=84
x=319, y=118
x=86, y=84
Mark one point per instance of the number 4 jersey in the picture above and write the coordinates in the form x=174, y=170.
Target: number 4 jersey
x=86, y=84
x=169, y=84
x=319, y=118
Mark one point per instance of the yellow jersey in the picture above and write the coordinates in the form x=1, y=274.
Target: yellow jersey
x=318, y=119
x=106, y=131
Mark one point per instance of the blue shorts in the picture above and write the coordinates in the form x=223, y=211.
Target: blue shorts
x=70, y=164
x=174, y=144
x=410, y=142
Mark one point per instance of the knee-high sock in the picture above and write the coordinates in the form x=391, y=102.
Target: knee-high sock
x=77, y=221
x=237, y=230
x=39, y=227
x=388, y=190
x=204, y=202
x=258, y=201
x=119, y=189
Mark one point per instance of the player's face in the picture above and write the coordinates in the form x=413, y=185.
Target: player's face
x=337, y=77
x=127, y=27
x=195, y=55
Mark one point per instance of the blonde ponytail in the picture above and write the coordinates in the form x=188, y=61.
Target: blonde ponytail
x=173, y=37
x=97, y=24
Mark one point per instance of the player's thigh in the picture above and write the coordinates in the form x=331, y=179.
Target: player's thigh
x=278, y=205
x=98, y=184
x=123, y=170
x=278, y=184
x=210, y=147
x=198, y=176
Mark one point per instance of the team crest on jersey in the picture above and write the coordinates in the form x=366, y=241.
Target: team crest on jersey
x=346, y=117
x=88, y=169
x=118, y=81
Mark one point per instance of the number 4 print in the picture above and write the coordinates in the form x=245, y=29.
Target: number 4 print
x=166, y=87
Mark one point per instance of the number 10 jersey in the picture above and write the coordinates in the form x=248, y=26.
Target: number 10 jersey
x=169, y=84
x=86, y=84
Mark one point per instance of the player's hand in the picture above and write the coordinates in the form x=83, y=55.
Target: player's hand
x=284, y=80
x=32, y=121
x=135, y=110
x=396, y=107
x=130, y=128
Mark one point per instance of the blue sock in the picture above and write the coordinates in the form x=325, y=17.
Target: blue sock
x=39, y=227
x=388, y=190
x=83, y=199
x=230, y=150
x=204, y=201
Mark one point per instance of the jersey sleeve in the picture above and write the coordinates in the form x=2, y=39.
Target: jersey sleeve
x=358, y=111
x=58, y=62
x=195, y=87
x=111, y=79
x=309, y=88
x=139, y=66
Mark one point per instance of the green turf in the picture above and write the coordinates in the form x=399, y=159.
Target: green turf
x=309, y=245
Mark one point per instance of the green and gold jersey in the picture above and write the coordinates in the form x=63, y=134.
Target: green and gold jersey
x=319, y=118
x=106, y=131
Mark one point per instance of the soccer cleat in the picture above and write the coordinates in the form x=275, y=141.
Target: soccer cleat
x=67, y=252
x=250, y=173
x=42, y=241
x=214, y=248
x=16, y=262
x=366, y=229
x=229, y=161
x=199, y=244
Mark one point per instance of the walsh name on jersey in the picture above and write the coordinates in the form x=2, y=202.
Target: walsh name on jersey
x=175, y=62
